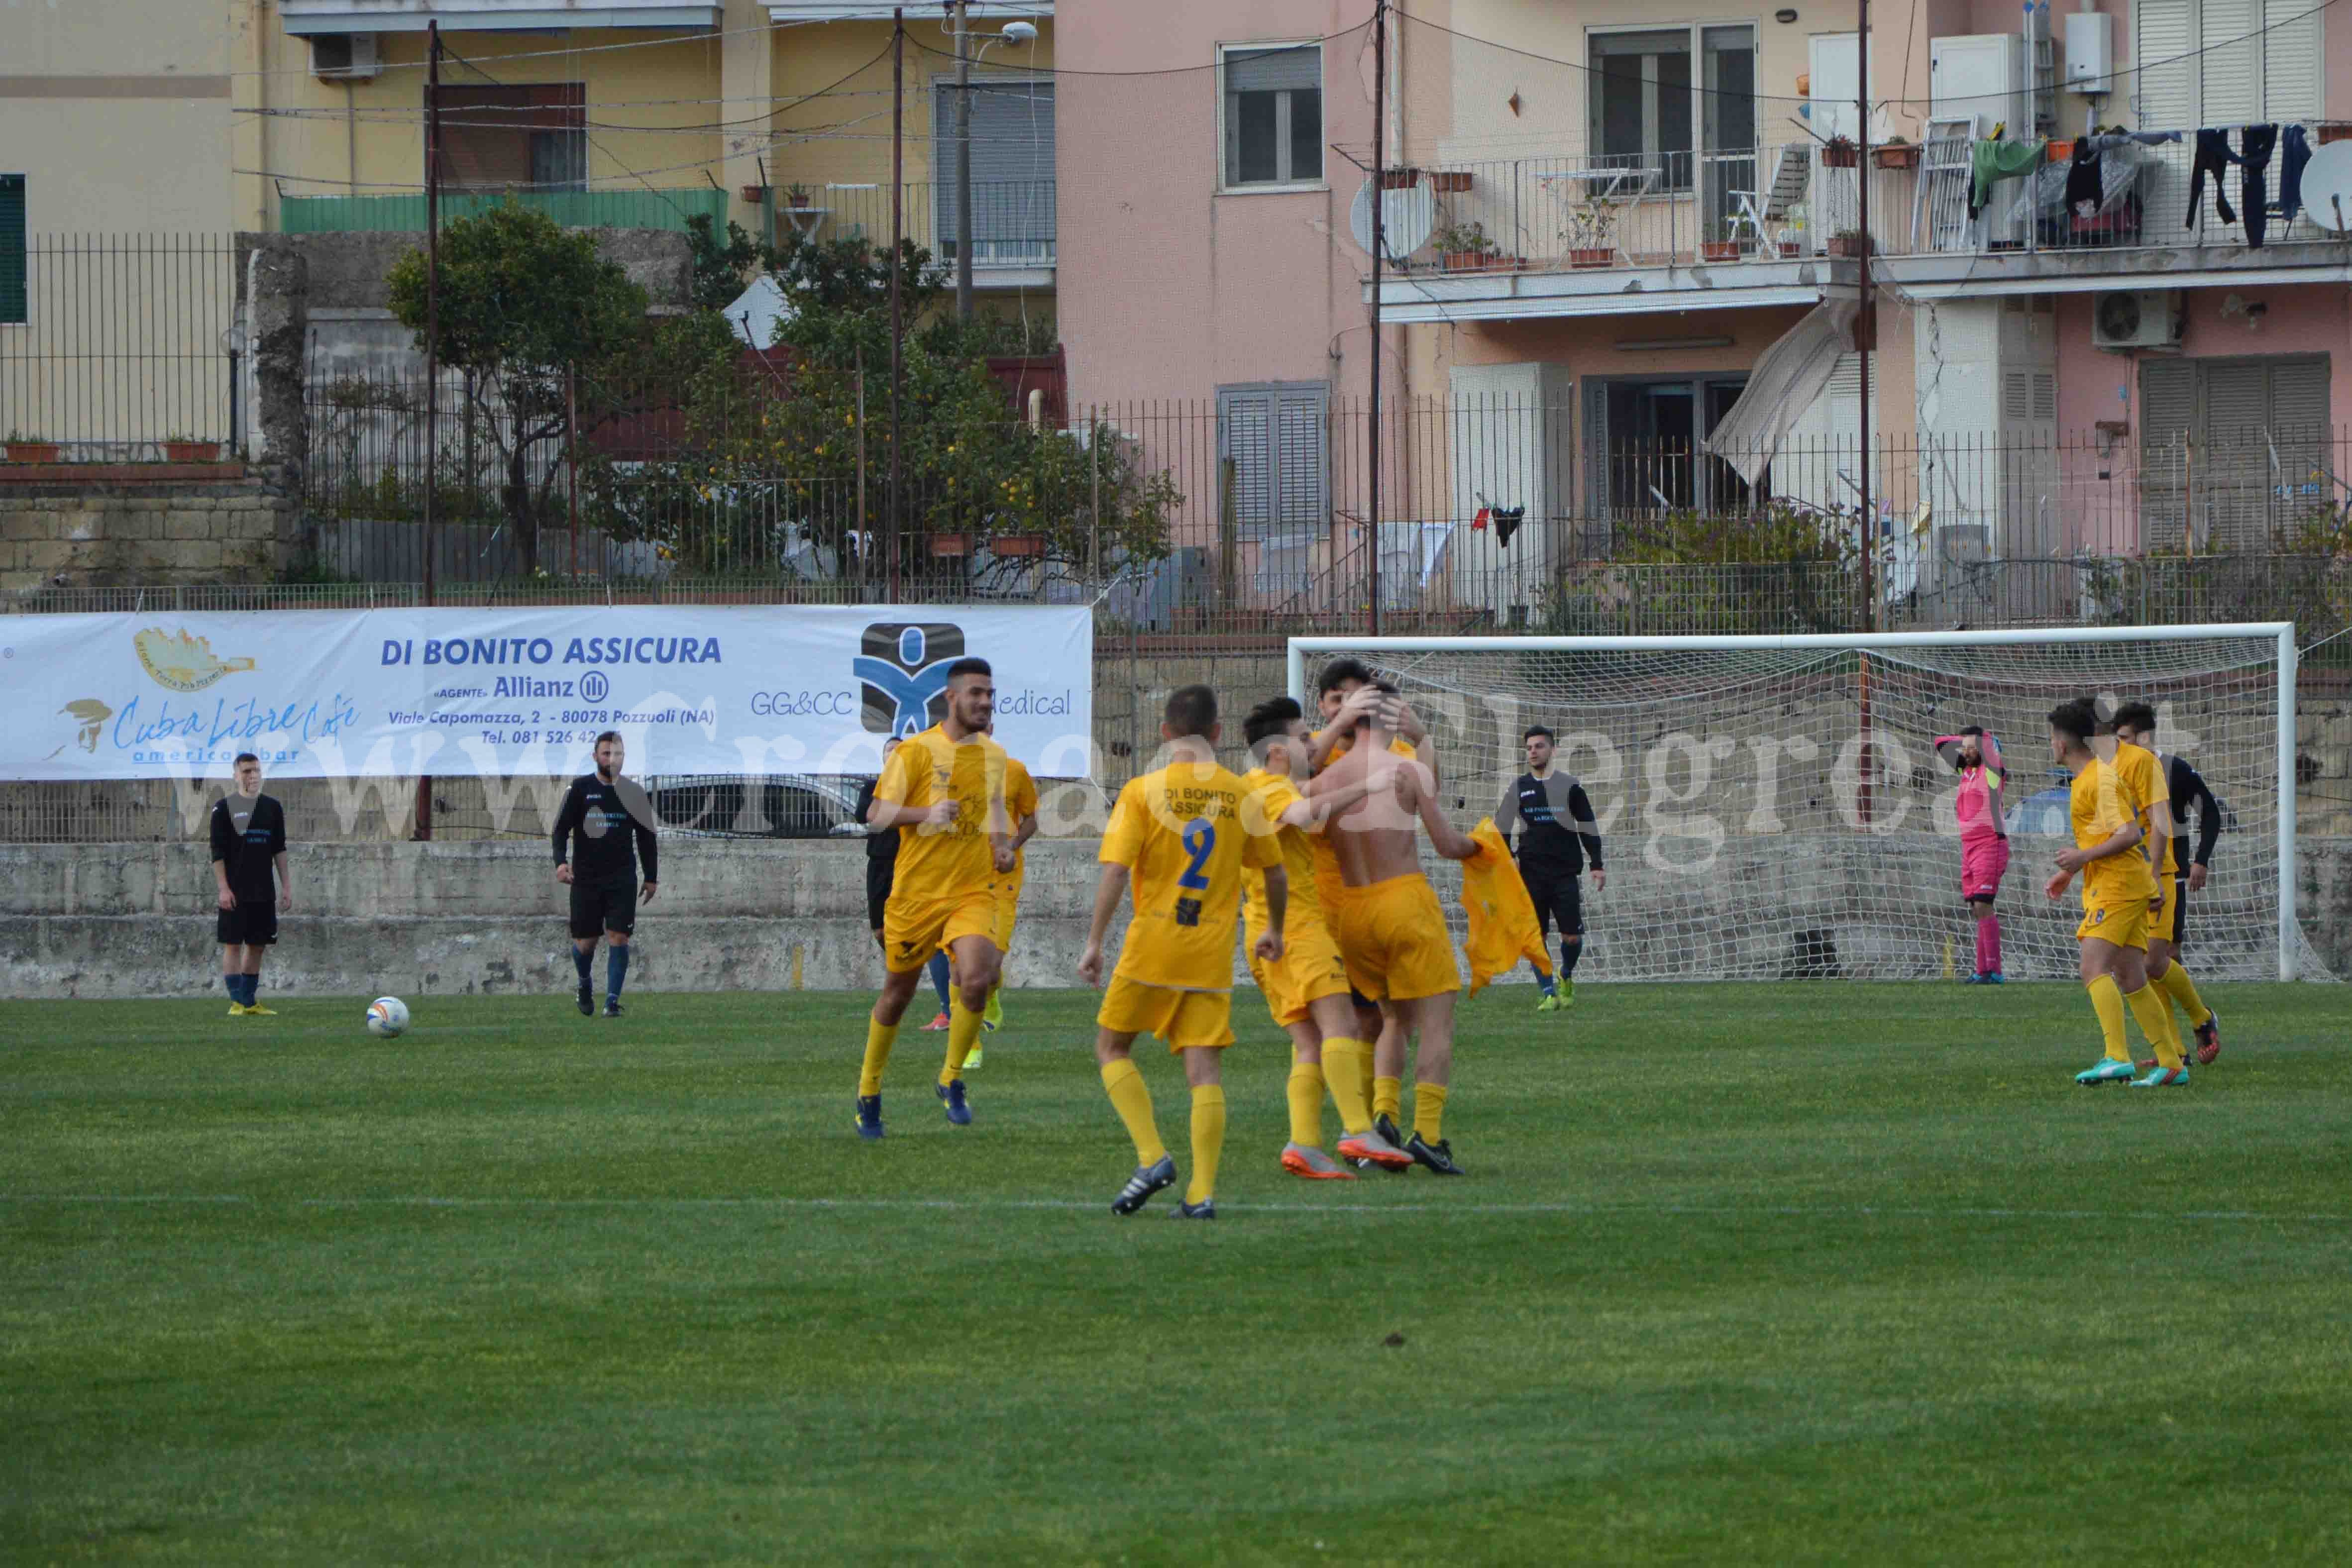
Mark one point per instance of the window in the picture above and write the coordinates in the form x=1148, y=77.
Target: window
x=494, y=138
x=2230, y=449
x=1273, y=115
x=1641, y=436
x=2226, y=62
x=1274, y=458
x=1012, y=172
x=1645, y=99
x=12, y=249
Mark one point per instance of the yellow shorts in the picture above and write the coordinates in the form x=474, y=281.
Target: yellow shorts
x=2124, y=924
x=1008, y=912
x=912, y=930
x=1393, y=937
x=1309, y=970
x=1183, y=1019
x=2166, y=921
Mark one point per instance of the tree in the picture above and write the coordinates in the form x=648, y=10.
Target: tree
x=520, y=301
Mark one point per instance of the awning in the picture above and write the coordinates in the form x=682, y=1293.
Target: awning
x=1786, y=380
x=305, y=18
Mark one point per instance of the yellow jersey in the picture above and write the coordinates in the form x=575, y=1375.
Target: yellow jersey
x=1020, y=805
x=940, y=861
x=1187, y=833
x=2144, y=776
x=1271, y=794
x=2100, y=803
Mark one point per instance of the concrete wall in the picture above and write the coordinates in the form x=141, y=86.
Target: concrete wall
x=95, y=534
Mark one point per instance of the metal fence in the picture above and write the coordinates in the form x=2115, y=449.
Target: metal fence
x=127, y=343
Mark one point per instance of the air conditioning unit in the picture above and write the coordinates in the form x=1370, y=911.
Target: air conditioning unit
x=345, y=57
x=2137, y=319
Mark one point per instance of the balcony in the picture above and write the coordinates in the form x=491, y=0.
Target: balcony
x=1013, y=224
x=1573, y=235
x=306, y=17
x=637, y=209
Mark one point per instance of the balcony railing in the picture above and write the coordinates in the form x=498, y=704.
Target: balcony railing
x=637, y=209
x=1013, y=221
x=1803, y=199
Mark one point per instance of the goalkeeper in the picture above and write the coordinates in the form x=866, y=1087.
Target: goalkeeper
x=1984, y=837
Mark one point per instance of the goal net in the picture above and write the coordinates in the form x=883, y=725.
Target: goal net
x=1775, y=807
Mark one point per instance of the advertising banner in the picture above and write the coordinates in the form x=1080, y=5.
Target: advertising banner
x=507, y=692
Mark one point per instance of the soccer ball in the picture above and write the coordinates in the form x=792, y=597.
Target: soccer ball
x=387, y=1016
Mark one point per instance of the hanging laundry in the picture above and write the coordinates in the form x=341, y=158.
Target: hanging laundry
x=2294, y=152
x=2256, y=142
x=2214, y=157
x=2085, y=188
x=1995, y=160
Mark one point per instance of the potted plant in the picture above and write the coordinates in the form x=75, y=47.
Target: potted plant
x=188, y=449
x=1840, y=152
x=1449, y=179
x=1730, y=249
x=796, y=195
x=27, y=449
x=1400, y=179
x=2334, y=131
x=1591, y=223
x=755, y=194
x=1465, y=248
x=1852, y=244
x=1896, y=153
x=946, y=545
x=1021, y=546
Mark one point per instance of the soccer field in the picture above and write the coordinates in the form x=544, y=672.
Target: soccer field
x=1822, y=1272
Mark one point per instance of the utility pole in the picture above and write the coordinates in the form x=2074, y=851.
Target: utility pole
x=1865, y=326
x=432, y=349
x=1379, y=243
x=898, y=241
x=963, y=160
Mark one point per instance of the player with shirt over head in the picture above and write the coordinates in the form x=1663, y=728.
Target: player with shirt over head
x=248, y=843
x=1180, y=837
x=2183, y=789
x=1558, y=833
x=1984, y=839
x=603, y=827
x=943, y=790
x=2117, y=890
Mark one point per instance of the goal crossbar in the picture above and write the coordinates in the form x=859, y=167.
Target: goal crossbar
x=2280, y=633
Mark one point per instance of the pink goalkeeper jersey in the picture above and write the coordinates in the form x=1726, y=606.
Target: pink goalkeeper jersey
x=1979, y=805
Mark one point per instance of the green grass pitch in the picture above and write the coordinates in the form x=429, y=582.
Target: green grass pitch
x=1772, y=1273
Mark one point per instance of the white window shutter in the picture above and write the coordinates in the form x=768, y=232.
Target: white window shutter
x=1245, y=420
x=2291, y=62
x=2229, y=33
x=1298, y=431
x=2165, y=42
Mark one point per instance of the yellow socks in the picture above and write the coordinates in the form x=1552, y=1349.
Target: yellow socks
x=1388, y=1097
x=2108, y=1001
x=1131, y=1098
x=879, y=1039
x=1208, y=1140
x=2155, y=1015
x=963, y=1033
x=1364, y=1074
x=1345, y=1064
x=2175, y=983
x=1429, y=1111
x=1306, y=1096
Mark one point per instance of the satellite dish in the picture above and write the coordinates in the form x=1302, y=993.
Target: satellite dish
x=1409, y=213
x=2328, y=186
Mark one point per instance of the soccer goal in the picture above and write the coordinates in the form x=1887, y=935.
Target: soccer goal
x=1773, y=807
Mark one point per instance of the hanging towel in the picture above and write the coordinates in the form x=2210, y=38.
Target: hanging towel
x=2256, y=142
x=1995, y=160
x=2213, y=156
x=2294, y=152
x=2084, y=190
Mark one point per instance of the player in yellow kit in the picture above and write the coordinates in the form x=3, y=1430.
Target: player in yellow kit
x=1021, y=811
x=1306, y=989
x=944, y=791
x=1182, y=837
x=2117, y=894
x=2135, y=727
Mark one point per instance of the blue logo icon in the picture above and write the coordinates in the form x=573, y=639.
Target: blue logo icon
x=902, y=675
x=594, y=686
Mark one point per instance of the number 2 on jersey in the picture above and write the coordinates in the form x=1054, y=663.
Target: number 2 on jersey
x=1200, y=841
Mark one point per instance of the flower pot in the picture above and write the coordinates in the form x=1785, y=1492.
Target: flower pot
x=191, y=451
x=34, y=451
x=1790, y=249
x=1905, y=157
x=796, y=201
x=1596, y=256
x=1837, y=156
x=1493, y=263
x=1463, y=260
x=2334, y=131
x=1400, y=179
x=1457, y=180
x=1851, y=246
x=1721, y=249
x=946, y=545
x=1017, y=544
x=755, y=194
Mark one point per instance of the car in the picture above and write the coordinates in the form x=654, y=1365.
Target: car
x=739, y=806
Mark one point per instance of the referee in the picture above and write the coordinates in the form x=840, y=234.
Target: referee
x=248, y=839
x=605, y=824
x=1558, y=833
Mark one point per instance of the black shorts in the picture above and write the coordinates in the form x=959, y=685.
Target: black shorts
x=2179, y=931
x=252, y=923
x=878, y=890
x=1558, y=898
x=610, y=905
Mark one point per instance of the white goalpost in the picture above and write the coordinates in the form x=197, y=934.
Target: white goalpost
x=1774, y=806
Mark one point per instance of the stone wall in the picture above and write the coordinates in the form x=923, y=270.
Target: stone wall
x=100, y=534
